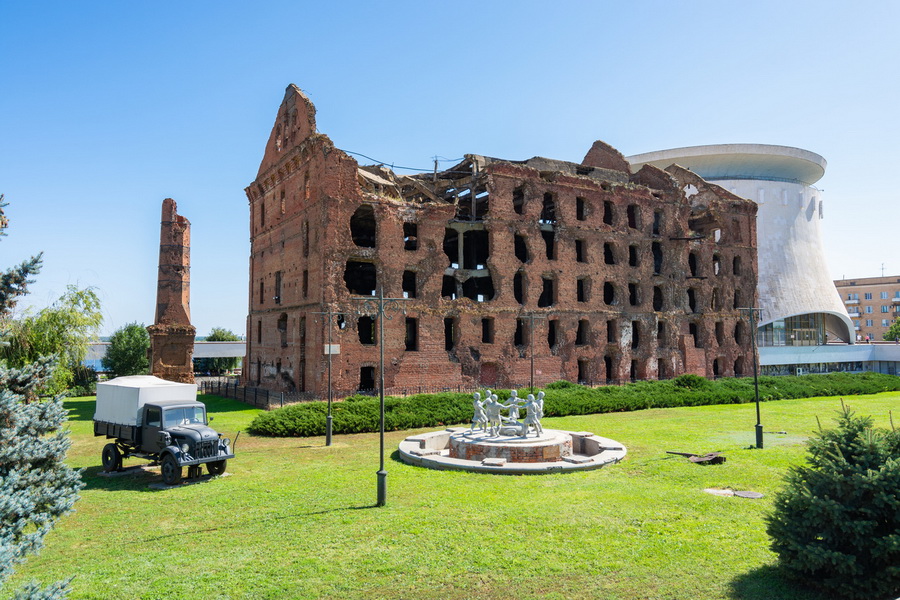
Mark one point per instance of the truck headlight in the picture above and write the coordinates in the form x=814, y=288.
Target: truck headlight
x=226, y=442
x=185, y=448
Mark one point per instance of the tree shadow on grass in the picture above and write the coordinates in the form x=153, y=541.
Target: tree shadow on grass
x=769, y=583
x=256, y=522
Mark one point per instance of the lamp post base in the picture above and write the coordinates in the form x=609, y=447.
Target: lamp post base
x=759, y=436
x=328, y=430
x=382, y=488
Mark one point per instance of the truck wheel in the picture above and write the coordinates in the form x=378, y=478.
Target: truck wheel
x=112, y=458
x=171, y=471
x=217, y=467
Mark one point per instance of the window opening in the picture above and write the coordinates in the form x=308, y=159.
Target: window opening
x=692, y=264
x=736, y=265
x=476, y=249
x=548, y=294
x=487, y=330
x=259, y=332
x=584, y=375
x=611, y=327
x=635, y=334
x=282, y=329
x=519, y=287
x=692, y=330
x=582, y=289
x=449, y=334
x=608, y=215
x=717, y=265
x=262, y=291
x=657, y=298
x=609, y=255
x=552, y=333
x=362, y=226
x=518, y=200
x=661, y=371
x=305, y=283
x=519, y=338
x=479, y=289
x=634, y=298
x=366, y=379
x=634, y=217
x=661, y=333
x=580, y=211
x=412, y=334
x=657, y=222
x=360, y=278
x=608, y=367
x=548, y=211
x=583, y=332
x=365, y=327
x=715, y=366
x=409, y=284
x=451, y=247
x=720, y=333
x=580, y=255
x=656, y=249
x=521, y=248
x=633, y=371
x=448, y=287
x=277, y=297
x=410, y=236
x=633, y=256
x=609, y=293
x=550, y=243
x=692, y=299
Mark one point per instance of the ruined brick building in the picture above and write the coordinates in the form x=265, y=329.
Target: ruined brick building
x=603, y=275
x=172, y=335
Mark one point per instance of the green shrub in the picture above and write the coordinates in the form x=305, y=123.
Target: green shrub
x=836, y=525
x=359, y=413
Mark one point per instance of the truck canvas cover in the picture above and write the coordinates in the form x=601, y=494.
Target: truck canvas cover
x=119, y=400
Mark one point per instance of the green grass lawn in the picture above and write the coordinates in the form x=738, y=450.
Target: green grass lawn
x=296, y=519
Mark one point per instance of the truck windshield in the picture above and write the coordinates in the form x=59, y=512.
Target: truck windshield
x=188, y=415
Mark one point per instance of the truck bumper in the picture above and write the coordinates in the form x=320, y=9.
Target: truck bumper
x=200, y=461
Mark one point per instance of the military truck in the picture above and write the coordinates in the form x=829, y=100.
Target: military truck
x=160, y=421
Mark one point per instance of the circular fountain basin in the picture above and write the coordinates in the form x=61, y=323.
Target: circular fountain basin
x=552, y=451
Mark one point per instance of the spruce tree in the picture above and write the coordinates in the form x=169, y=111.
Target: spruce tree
x=836, y=525
x=36, y=486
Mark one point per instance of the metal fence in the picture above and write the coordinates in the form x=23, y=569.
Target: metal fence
x=228, y=387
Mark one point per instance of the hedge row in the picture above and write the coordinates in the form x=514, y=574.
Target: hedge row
x=359, y=414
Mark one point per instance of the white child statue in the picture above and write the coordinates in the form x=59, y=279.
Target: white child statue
x=479, y=418
x=532, y=417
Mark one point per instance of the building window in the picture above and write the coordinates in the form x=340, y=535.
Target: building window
x=885, y=309
x=552, y=333
x=548, y=293
x=259, y=332
x=305, y=283
x=868, y=295
x=277, y=287
x=412, y=334
x=634, y=297
x=885, y=322
x=633, y=256
x=582, y=289
x=868, y=310
x=609, y=254
x=409, y=284
x=262, y=292
x=580, y=255
x=608, y=216
x=518, y=200
x=519, y=337
x=634, y=216
x=580, y=211
x=884, y=295
x=581, y=334
x=520, y=248
x=410, y=236
x=611, y=327
x=449, y=334
x=853, y=296
x=487, y=331
x=365, y=327
x=868, y=322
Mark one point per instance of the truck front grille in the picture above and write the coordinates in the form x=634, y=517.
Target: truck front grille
x=208, y=449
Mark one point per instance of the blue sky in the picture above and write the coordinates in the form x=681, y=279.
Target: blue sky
x=107, y=108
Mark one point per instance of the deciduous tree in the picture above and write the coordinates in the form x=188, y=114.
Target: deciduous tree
x=127, y=351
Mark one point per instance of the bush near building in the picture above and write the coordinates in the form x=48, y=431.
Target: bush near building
x=359, y=414
x=836, y=526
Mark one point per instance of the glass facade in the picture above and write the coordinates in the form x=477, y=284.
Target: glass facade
x=802, y=330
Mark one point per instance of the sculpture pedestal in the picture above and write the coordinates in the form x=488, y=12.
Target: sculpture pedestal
x=550, y=446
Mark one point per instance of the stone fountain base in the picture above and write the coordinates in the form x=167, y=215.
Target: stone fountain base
x=554, y=450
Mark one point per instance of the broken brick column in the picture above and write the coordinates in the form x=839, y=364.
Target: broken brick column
x=172, y=335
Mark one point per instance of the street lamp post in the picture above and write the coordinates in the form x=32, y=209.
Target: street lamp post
x=382, y=308
x=751, y=313
x=531, y=317
x=331, y=318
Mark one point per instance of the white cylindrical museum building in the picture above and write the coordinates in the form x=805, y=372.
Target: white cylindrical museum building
x=799, y=303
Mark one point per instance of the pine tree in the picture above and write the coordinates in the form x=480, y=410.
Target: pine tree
x=836, y=525
x=36, y=486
